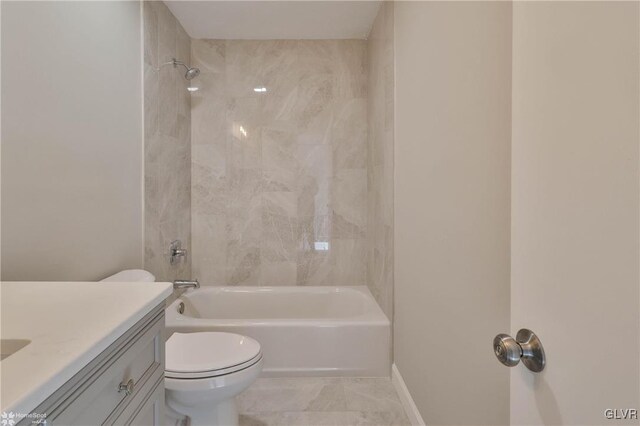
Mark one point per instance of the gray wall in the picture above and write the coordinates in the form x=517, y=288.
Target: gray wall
x=452, y=201
x=71, y=139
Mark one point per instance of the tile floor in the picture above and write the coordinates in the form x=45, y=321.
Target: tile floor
x=321, y=401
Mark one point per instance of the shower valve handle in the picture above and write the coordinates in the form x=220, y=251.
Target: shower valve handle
x=176, y=251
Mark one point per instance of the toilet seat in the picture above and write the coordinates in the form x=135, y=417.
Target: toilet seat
x=213, y=373
x=203, y=355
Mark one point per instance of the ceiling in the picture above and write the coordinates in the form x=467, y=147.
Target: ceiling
x=266, y=20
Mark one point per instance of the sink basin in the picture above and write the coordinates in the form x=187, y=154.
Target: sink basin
x=9, y=347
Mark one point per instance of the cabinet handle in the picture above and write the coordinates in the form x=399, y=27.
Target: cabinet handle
x=127, y=388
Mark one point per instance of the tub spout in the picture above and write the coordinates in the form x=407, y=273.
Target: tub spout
x=178, y=284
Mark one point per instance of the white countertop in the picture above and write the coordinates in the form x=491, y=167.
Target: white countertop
x=68, y=324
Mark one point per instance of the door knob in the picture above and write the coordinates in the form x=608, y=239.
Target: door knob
x=526, y=347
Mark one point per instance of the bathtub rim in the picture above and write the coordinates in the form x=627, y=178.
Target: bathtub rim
x=373, y=317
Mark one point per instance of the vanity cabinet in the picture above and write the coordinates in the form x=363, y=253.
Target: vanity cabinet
x=123, y=385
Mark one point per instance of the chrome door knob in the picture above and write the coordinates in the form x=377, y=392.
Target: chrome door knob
x=507, y=350
x=526, y=347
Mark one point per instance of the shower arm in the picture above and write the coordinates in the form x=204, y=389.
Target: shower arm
x=189, y=75
x=175, y=63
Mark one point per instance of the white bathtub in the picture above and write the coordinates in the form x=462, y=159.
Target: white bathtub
x=304, y=331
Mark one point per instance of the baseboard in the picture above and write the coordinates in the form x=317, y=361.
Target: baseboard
x=405, y=397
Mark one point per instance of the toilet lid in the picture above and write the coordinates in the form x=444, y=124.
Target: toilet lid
x=207, y=354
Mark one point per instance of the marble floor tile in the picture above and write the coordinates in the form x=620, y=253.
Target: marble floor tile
x=376, y=394
x=321, y=401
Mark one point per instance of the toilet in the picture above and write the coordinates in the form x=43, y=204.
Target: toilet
x=204, y=371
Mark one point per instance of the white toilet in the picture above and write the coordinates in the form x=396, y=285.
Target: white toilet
x=204, y=371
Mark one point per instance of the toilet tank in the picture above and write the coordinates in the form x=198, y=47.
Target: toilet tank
x=131, y=275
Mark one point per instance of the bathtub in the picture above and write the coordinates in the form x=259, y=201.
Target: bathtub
x=303, y=331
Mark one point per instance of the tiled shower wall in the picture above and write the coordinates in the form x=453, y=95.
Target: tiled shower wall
x=380, y=158
x=167, y=147
x=279, y=176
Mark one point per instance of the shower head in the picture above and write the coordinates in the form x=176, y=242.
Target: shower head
x=192, y=73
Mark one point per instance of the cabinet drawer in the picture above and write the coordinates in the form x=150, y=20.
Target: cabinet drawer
x=93, y=396
x=147, y=409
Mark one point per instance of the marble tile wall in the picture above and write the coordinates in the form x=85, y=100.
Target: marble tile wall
x=167, y=147
x=279, y=178
x=380, y=158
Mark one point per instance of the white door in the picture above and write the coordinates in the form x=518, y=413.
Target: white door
x=575, y=211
